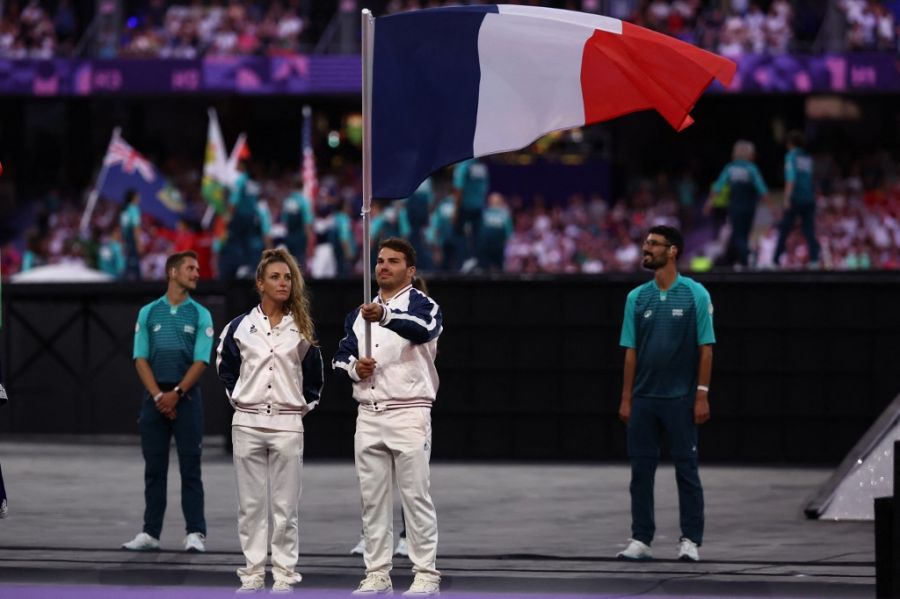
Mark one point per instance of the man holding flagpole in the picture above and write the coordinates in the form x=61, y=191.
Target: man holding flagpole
x=395, y=385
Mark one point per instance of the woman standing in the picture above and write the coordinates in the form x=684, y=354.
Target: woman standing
x=271, y=366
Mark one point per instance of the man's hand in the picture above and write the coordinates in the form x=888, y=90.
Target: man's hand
x=371, y=312
x=166, y=404
x=365, y=367
x=701, y=407
x=625, y=409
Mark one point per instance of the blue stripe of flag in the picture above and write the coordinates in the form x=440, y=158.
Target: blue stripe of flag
x=425, y=83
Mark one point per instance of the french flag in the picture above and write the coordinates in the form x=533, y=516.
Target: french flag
x=454, y=83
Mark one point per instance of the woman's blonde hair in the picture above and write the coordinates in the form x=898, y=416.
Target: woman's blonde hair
x=298, y=303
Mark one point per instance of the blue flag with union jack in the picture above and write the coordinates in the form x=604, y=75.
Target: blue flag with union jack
x=125, y=168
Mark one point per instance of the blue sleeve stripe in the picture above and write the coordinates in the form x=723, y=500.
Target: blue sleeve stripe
x=228, y=362
x=348, y=346
x=420, y=323
x=421, y=302
x=313, y=375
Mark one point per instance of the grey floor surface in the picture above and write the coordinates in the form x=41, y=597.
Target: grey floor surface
x=504, y=528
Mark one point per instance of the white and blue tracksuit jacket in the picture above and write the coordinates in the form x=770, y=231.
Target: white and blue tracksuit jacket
x=273, y=375
x=404, y=346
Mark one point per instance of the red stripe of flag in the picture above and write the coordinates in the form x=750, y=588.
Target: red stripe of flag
x=641, y=69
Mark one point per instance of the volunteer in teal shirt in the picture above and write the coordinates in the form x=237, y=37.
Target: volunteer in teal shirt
x=745, y=189
x=471, y=181
x=799, y=197
x=173, y=340
x=248, y=229
x=297, y=218
x=667, y=333
x=497, y=228
x=130, y=223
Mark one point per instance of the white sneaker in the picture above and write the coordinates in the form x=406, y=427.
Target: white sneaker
x=4, y=509
x=193, y=543
x=424, y=585
x=286, y=586
x=402, y=548
x=360, y=547
x=252, y=584
x=636, y=551
x=142, y=542
x=687, y=550
x=375, y=584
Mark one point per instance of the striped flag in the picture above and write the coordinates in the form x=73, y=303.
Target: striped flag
x=308, y=168
x=467, y=81
x=214, y=166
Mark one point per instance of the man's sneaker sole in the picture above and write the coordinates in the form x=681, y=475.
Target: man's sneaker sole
x=687, y=558
x=634, y=559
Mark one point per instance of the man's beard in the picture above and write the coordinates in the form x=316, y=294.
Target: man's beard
x=651, y=264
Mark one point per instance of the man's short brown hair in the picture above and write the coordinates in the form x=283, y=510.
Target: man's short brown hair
x=175, y=260
x=400, y=245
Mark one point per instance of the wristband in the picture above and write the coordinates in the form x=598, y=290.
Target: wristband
x=158, y=396
x=179, y=391
x=703, y=388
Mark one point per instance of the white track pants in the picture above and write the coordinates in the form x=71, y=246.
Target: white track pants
x=396, y=444
x=270, y=458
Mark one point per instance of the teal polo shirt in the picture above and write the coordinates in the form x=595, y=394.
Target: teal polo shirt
x=171, y=338
x=666, y=328
x=296, y=213
x=745, y=184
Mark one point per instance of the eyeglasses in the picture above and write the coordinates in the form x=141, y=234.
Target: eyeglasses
x=654, y=243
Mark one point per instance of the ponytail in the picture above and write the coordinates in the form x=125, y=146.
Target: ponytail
x=419, y=283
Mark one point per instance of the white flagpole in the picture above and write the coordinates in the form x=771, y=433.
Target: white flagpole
x=98, y=185
x=368, y=43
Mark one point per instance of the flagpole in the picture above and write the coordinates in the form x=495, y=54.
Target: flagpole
x=368, y=42
x=98, y=185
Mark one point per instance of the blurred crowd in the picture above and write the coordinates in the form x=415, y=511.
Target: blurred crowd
x=178, y=30
x=31, y=30
x=870, y=25
x=458, y=224
x=159, y=28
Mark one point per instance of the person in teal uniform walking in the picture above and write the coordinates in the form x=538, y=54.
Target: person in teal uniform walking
x=799, y=197
x=745, y=188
